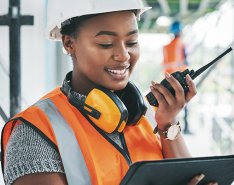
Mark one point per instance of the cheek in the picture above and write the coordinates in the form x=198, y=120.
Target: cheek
x=87, y=54
x=135, y=55
x=91, y=57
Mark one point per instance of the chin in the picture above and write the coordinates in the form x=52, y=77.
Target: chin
x=119, y=87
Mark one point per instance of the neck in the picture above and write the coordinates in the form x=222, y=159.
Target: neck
x=81, y=85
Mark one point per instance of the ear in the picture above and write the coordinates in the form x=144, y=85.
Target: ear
x=68, y=42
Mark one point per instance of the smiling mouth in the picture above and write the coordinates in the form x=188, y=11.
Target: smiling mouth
x=118, y=72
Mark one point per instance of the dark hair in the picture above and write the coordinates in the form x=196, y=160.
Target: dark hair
x=71, y=26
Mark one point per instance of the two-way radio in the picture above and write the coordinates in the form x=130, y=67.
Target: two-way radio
x=180, y=76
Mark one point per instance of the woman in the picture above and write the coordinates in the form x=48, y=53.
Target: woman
x=38, y=145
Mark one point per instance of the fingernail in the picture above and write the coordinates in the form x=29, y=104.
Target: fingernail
x=167, y=75
x=188, y=77
x=153, y=83
x=200, y=177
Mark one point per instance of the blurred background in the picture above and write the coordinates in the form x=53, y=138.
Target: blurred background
x=207, y=30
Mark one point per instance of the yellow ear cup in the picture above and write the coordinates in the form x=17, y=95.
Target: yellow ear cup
x=132, y=98
x=122, y=126
x=113, y=112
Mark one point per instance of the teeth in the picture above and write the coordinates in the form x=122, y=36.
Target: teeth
x=119, y=72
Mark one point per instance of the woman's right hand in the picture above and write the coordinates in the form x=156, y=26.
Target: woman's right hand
x=195, y=180
x=169, y=105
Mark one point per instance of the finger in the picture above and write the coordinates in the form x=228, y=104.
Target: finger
x=179, y=91
x=195, y=180
x=164, y=92
x=160, y=98
x=192, y=88
x=213, y=183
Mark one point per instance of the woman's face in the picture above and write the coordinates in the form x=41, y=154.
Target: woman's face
x=105, y=51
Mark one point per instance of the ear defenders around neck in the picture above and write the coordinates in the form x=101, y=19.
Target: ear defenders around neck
x=109, y=111
x=134, y=101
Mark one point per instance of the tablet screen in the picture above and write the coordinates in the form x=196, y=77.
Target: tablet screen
x=180, y=171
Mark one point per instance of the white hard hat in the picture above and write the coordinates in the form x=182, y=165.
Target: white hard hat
x=60, y=10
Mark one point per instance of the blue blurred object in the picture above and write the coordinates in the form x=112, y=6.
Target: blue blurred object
x=176, y=27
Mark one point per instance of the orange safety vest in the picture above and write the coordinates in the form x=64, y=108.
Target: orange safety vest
x=105, y=162
x=174, y=56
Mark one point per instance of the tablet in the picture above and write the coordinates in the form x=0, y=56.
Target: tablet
x=180, y=171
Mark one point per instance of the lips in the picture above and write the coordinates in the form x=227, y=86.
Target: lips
x=118, y=72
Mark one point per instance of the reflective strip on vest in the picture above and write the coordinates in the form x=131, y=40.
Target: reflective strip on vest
x=73, y=161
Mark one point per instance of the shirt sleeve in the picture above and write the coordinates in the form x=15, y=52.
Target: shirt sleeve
x=27, y=152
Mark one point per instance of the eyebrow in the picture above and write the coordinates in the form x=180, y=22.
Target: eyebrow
x=114, y=33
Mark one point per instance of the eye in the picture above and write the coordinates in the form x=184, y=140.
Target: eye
x=106, y=46
x=131, y=44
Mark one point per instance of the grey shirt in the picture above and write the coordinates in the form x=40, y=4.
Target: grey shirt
x=27, y=152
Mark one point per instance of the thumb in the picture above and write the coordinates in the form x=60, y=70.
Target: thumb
x=195, y=180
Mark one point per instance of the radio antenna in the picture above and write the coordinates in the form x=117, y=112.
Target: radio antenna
x=202, y=69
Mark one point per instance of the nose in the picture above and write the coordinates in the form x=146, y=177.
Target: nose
x=121, y=54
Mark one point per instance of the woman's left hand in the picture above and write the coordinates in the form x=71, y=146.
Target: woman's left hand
x=169, y=105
